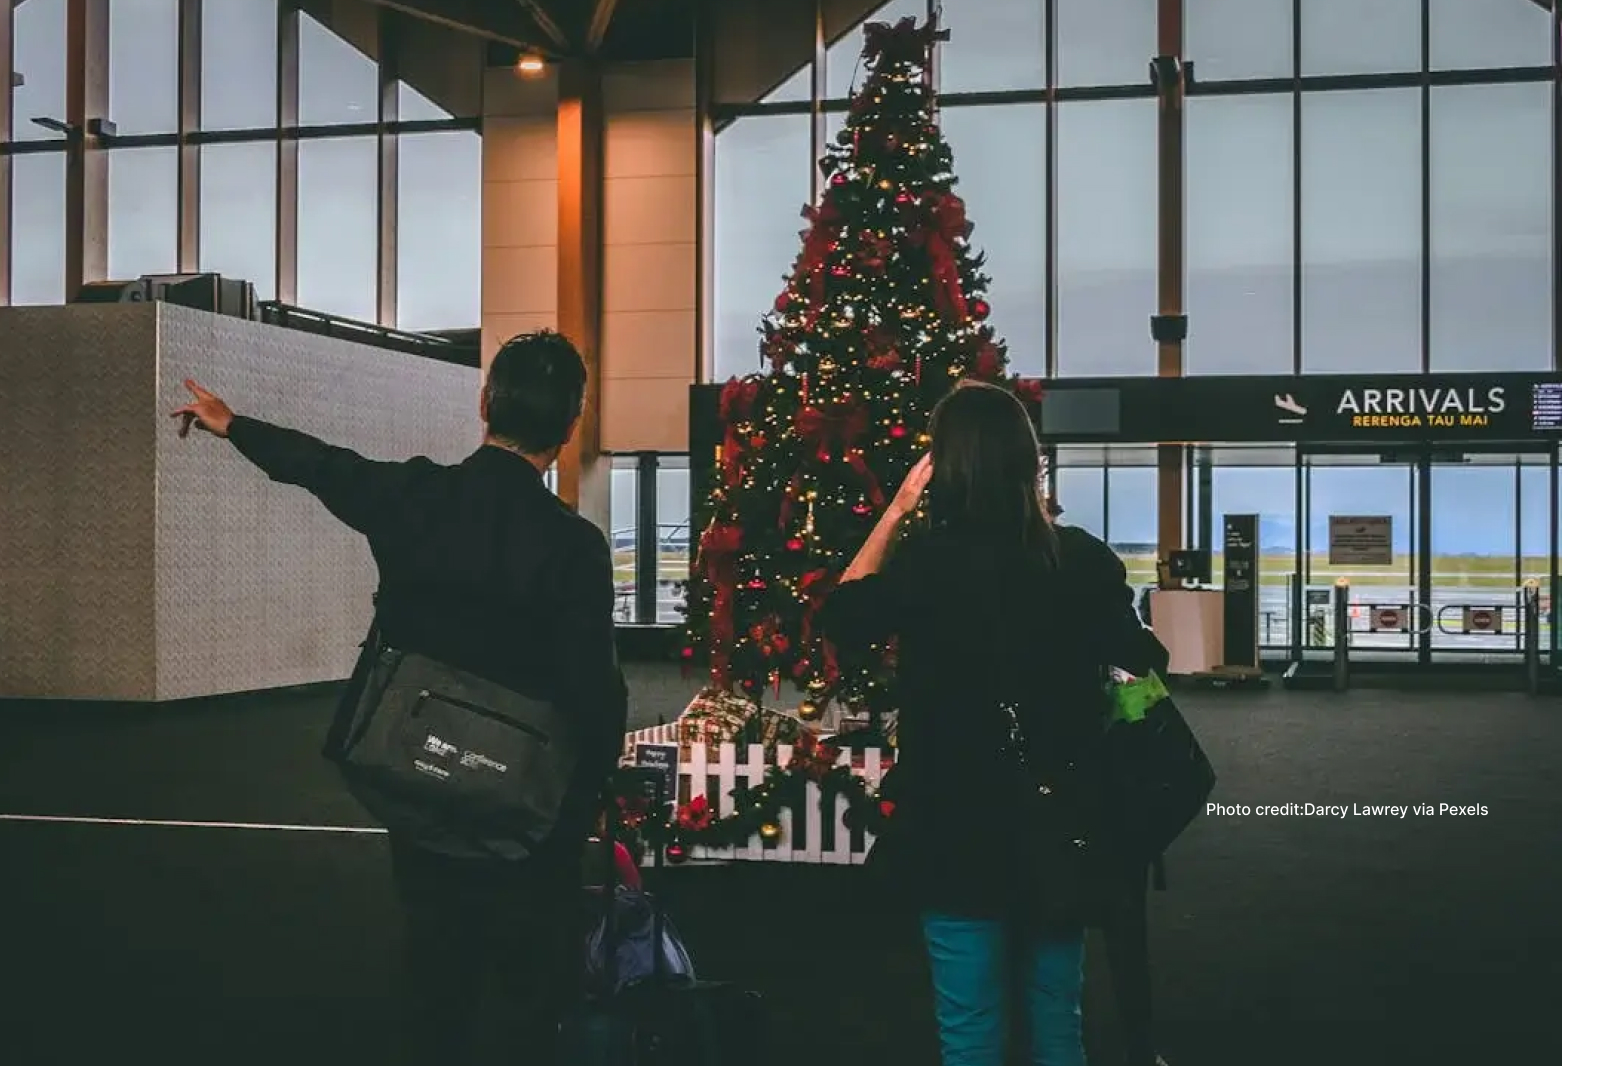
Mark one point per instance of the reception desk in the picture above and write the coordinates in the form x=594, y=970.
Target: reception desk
x=1189, y=623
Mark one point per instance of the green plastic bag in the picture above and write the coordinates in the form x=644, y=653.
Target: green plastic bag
x=1132, y=700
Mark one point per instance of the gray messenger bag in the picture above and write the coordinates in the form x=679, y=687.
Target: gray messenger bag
x=431, y=749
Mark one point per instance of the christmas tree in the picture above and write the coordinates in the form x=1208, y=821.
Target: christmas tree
x=883, y=313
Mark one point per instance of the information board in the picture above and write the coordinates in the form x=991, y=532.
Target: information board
x=1360, y=540
x=1241, y=594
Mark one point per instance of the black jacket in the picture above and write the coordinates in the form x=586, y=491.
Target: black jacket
x=974, y=629
x=479, y=566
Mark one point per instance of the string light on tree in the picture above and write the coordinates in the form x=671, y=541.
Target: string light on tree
x=885, y=308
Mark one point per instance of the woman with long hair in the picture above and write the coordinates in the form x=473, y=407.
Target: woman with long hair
x=1004, y=621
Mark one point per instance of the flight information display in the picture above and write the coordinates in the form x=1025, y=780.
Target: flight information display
x=1547, y=407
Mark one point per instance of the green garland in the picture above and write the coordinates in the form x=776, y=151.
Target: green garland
x=756, y=808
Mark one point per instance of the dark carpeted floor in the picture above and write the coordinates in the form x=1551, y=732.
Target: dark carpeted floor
x=1282, y=940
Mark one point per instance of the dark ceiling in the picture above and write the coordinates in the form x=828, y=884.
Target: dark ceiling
x=609, y=29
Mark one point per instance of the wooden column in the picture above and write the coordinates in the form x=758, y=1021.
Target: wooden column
x=7, y=68
x=288, y=215
x=579, y=187
x=88, y=90
x=388, y=271
x=188, y=125
x=1170, y=237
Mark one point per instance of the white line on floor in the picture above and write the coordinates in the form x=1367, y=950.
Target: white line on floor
x=172, y=824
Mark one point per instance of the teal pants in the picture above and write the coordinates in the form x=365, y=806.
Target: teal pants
x=976, y=965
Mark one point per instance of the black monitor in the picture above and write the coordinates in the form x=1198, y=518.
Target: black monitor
x=1189, y=566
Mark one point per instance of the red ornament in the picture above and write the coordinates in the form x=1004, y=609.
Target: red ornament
x=795, y=544
x=980, y=309
x=688, y=653
x=696, y=814
x=897, y=432
x=903, y=198
x=886, y=808
x=841, y=271
x=783, y=301
x=862, y=508
x=839, y=178
x=758, y=440
x=677, y=854
x=756, y=583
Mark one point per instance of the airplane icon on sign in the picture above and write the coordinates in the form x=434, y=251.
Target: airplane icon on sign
x=1286, y=402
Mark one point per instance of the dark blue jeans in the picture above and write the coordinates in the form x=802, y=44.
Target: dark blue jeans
x=974, y=962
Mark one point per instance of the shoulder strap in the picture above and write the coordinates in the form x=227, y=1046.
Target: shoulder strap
x=339, y=730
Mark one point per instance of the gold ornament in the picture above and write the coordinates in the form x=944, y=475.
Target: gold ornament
x=810, y=710
x=771, y=833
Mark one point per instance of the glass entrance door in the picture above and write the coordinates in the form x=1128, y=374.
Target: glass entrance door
x=1360, y=525
x=1491, y=535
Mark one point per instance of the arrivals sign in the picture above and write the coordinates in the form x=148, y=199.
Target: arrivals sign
x=1441, y=408
x=1376, y=409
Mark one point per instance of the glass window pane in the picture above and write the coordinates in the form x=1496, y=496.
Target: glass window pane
x=338, y=84
x=239, y=66
x=762, y=180
x=994, y=44
x=144, y=66
x=439, y=254
x=1105, y=237
x=39, y=228
x=1362, y=239
x=414, y=107
x=338, y=227
x=1240, y=219
x=844, y=54
x=1535, y=519
x=672, y=537
x=1000, y=173
x=1360, y=36
x=1474, y=549
x=238, y=213
x=1081, y=495
x=624, y=540
x=39, y=54
x=797, y=87
x=1235, y=39
x=1364, y=488
x=142, y=220
x=1268, y=493
x=1474, y=34
x=1492, y=227
x=1104, y=42
x=1131, y=530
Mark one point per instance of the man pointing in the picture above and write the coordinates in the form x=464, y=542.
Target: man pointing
x=481, y=567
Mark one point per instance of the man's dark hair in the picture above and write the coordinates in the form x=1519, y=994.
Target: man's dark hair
x=535, y=391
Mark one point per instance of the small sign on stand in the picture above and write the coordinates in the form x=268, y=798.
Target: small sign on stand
x=658, y=765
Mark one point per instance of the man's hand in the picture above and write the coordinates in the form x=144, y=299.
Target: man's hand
x=207, y=412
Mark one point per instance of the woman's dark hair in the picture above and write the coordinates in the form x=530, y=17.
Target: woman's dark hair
x=985, y=483
x=534, y=392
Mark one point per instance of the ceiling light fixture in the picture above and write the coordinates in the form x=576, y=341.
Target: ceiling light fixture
x=530, y=64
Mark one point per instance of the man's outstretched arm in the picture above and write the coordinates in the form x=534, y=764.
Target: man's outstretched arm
x=355, y=489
